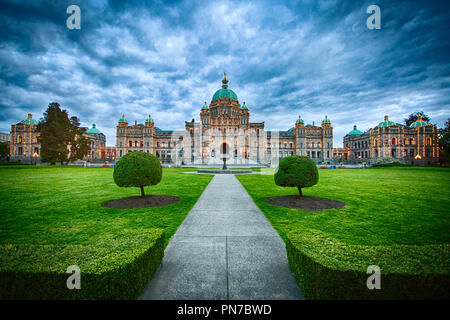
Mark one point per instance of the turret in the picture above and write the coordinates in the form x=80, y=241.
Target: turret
x=123, y=122
x=299, y=123
x=149, y=121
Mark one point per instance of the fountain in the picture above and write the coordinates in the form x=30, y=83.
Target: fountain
x=224, y=156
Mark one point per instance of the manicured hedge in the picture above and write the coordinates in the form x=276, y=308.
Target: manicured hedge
x=115, y=268
x=391, y=164
x=328, y=269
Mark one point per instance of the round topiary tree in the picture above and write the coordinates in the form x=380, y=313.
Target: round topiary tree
x=137, y=169
x=296, y=171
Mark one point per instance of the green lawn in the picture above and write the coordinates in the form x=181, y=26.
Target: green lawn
x=385, y=206
x=62, y=205
x=395, y=218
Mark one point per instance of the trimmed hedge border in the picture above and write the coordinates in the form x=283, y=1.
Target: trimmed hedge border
x=115, y=268
x=328, y=269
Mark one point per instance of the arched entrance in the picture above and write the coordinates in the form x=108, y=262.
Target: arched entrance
x=224, y=148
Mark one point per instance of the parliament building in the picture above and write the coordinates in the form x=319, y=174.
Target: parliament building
x=225, y=132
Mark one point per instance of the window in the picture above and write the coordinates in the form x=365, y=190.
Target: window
x=428, y=141
x=131, y=143
x=394, y=141
x=411, y=140
x=19, y=139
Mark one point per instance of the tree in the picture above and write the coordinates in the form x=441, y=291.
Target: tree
x=4, y=149
x=79, y=145
x=61, y=138
x=444, y=142
x=137, y=169
x=296, y=171
x=414, y=116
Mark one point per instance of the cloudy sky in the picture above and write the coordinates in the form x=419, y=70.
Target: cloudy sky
x=284, y=59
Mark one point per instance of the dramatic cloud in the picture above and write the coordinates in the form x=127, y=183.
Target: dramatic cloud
x=284, y=59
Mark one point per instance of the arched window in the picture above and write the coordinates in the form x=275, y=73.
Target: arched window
x=19, y=139
x=428, y=141
x=411, y=140
x=375, y=143
x=394, y=140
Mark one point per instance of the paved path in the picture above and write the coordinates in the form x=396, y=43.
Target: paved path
x=224, y=249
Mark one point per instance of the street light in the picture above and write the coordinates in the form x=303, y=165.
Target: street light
x=35, y=156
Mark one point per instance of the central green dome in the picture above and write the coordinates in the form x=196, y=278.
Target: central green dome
x=225, y=92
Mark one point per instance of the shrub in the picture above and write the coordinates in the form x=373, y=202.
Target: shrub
x=390, y=164
x=137, y=169
x=116, y=268
x=296, y=171
x=328, y=269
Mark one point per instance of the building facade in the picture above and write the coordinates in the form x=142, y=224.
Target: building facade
x=25, y=147
x=415, y=144
x=97, y=142
x=225, y=132
x=4, y=137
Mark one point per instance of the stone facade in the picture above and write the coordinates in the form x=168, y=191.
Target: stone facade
x=416, y=144
x=4, y=137
x=24, y=146
x=225, y=132
x=97, y=142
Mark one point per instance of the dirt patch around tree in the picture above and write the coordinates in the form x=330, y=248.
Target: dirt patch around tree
x=307, y=203
x=137, y=202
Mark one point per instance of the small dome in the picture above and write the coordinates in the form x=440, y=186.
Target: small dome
x=29, y=120
x=225, y=92
x=93, y=130
x=355, y=132
x=149, y=119
x=419, y=123
x=205, y=106
x=300, y=120
x=386, y=122
x=244, y=106
x=326, y=120
x=123, y=119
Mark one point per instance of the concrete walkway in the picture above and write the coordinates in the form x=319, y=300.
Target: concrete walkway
x=224, y=249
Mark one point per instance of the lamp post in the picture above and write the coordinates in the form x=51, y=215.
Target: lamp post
x=35, y=156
